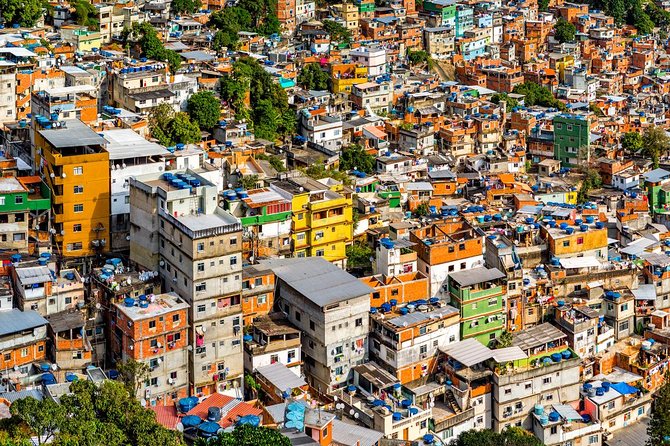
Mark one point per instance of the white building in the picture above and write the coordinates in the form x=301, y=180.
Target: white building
x=373, y=58
x=130, y=155
x=395, y=257
x=323, y=130
x=331, y=308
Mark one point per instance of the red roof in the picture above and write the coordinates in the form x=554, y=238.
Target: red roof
x=166, y=416
x=228, y=419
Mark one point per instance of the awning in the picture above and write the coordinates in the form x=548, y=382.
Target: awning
x=508, y=354
x=580, y=262
x=567, y=412
x=625, y=388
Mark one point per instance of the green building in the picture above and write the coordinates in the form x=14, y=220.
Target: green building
x=446, y=8
x=657, y=186
x=25, y=214
x=480, y=296
x=571, y=139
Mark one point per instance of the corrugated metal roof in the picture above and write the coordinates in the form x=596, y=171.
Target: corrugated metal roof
x=75, y=134
x=580, y=262
x=34, y=274
x=468, y=352
x=645, y=292
x=476, y=275
x=318, y=280
x=536, y=336
x=354, y=435
x=420, y=316
x=508, y=354
x=281, y=376
x=15, y=320
x=19, y=395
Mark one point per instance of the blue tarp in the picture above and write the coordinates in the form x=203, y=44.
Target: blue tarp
x=624, y=388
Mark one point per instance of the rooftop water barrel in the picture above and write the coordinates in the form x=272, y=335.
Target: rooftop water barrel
x=214, y=413
x=129, y=302
x=539, y=410
x=556, y=357
x=599, y=391
x=554, y=416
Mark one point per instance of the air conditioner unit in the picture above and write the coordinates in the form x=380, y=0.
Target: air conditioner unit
x=170, y=381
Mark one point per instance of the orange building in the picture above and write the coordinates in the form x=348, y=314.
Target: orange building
x=258, y=287
x=154, y=330
x=23, y=339
x=403, y=288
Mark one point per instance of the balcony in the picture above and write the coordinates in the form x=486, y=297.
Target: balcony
x=454, y=420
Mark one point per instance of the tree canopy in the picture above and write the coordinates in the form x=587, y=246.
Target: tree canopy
x=419, y=57
x=354, y=157
x=247, y=435
x=337, y=31
x=146, y=38
x=535, y=94
x=513, y=436
x=23, y=12
x=171, y=128
x=312, y=77
x=85, y=14
x=632, y=141
x=184, y=6
x=632, y=12
x=655, y=142
x=248, y=15
x=659, y=423
x=204, y=109
x=92, y=416
x=268, y=108
x=564, y=31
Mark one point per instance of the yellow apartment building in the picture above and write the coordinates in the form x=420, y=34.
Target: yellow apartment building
x=322, y=222
x=344, y=75
x=72, y=160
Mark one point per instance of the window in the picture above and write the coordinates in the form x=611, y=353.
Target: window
x=201, y=247
x=2, y=201
x=528, y=386
x=566, y=243
x=311, y=325
x=258, y=281
x=554, y=430
x=233, y=260
x=79, y=189
x=76, y=227
x=546, y=380
x=202, y=286
x=319, y=252
x=262, y=299
x=493, y=302
x=580, y=240
x=359, y=322
x=152, y=324
x=201, y=267
x=233, y=241
x=79, y=170
x=624, y=307
x=297, y=315
x=18, y=199
x=24, y=352
x=19, y=237
x=508, y=391
x=175, y=318
x=201, y=308
x=79, y=208
x=274, y=359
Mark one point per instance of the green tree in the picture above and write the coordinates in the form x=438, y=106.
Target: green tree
x=275, y=161
x=659, y=423
x=564, y=31
x=145, y=37
x=204, y=108
x=229, y=21
x=420, y=57
x=133, y=374
x=640, y=19
x=268, y=103
x=248, y=181
x=42, y=417
x=354, y=157
x=543, y=5
x=422, y=210
x=182, y=130
x=247, y=435
x=535, y=94
x=513, y=436
x=337, y=31
x=656, y=142
x=591, y=180
x=251, y=385
x=312, y=77
x=24, y=12
x=318, y=171
x=359, y=255
x=505, y=339
x=617, y=10
x=511, y=102
x=85, y=14
x=263, y=15
x=632, y=141
x=184, y=6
